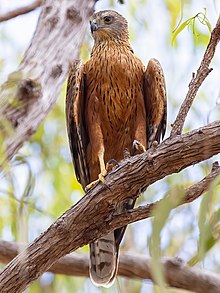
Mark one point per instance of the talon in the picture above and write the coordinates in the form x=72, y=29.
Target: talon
x=154, y=144
x=90, y=185
x=111, y=164
x=100, y=179
x=138, y=147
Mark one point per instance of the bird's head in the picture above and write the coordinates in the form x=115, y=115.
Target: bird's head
x=108, y=24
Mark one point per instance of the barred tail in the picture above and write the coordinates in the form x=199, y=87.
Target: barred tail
x=104, y=252
x=103, y=260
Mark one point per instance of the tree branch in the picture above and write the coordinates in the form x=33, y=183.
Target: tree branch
x=20, y=11
x=36, y=83
x=188, y=195
x=93, y=216
x=177, y=273
x=30, y=93
x=197, y=80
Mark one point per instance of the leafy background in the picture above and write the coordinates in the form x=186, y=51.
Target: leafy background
x=40, y=183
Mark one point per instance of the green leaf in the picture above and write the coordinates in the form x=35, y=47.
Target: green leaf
x=179, y=30
x=191, y=23
x=209, y=226
x=161, y=214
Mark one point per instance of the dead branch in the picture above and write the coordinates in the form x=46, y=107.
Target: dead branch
x=93, y=216
x=177, y=273
x=20, y=11
x=197, y=80
x=31, y=92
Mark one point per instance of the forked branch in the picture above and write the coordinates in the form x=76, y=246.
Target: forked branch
x=186, y=196
x=94, y=215
x=38, y=81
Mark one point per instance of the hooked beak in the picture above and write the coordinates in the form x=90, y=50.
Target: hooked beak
x=93, y=26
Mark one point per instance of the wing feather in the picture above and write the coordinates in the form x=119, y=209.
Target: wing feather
x=75, y=119
x=155, y=101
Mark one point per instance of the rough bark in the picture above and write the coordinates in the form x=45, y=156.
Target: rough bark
x=30, y=93
x=186, y=196
x=177, y=273
x=93, y=216
x=25, y=100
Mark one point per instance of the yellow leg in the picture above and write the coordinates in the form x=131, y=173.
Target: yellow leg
x=103, y=172
x=102, y=166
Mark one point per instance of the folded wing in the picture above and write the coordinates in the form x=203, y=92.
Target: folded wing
x=75, y=119
x=155, y=101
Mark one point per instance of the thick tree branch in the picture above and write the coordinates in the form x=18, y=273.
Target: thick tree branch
x=188, y=195
x=93, y=216
x=36, y=84
x=20, y=11
x=197, y=80
x=31, y=92
x=176, y=272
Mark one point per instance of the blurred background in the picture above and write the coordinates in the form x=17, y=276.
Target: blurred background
x=41, y=183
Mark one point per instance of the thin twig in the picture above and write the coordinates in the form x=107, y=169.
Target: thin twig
x=197, y=80
x=20, y=11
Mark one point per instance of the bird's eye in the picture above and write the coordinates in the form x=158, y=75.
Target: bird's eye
x=107, y=19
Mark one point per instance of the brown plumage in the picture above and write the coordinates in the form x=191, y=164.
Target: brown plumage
x=111, y=102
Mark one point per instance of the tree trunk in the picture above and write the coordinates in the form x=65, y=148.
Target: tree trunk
x=32, y=90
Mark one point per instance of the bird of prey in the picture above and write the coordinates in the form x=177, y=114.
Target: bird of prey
x=113, y=104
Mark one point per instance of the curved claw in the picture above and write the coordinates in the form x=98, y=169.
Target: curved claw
x=101, y=178
x=138, y=147
x=111, y=164
x=91, y=185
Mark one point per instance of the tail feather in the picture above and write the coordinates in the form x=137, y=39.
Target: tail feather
x=104, y=253
x=103, y=260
